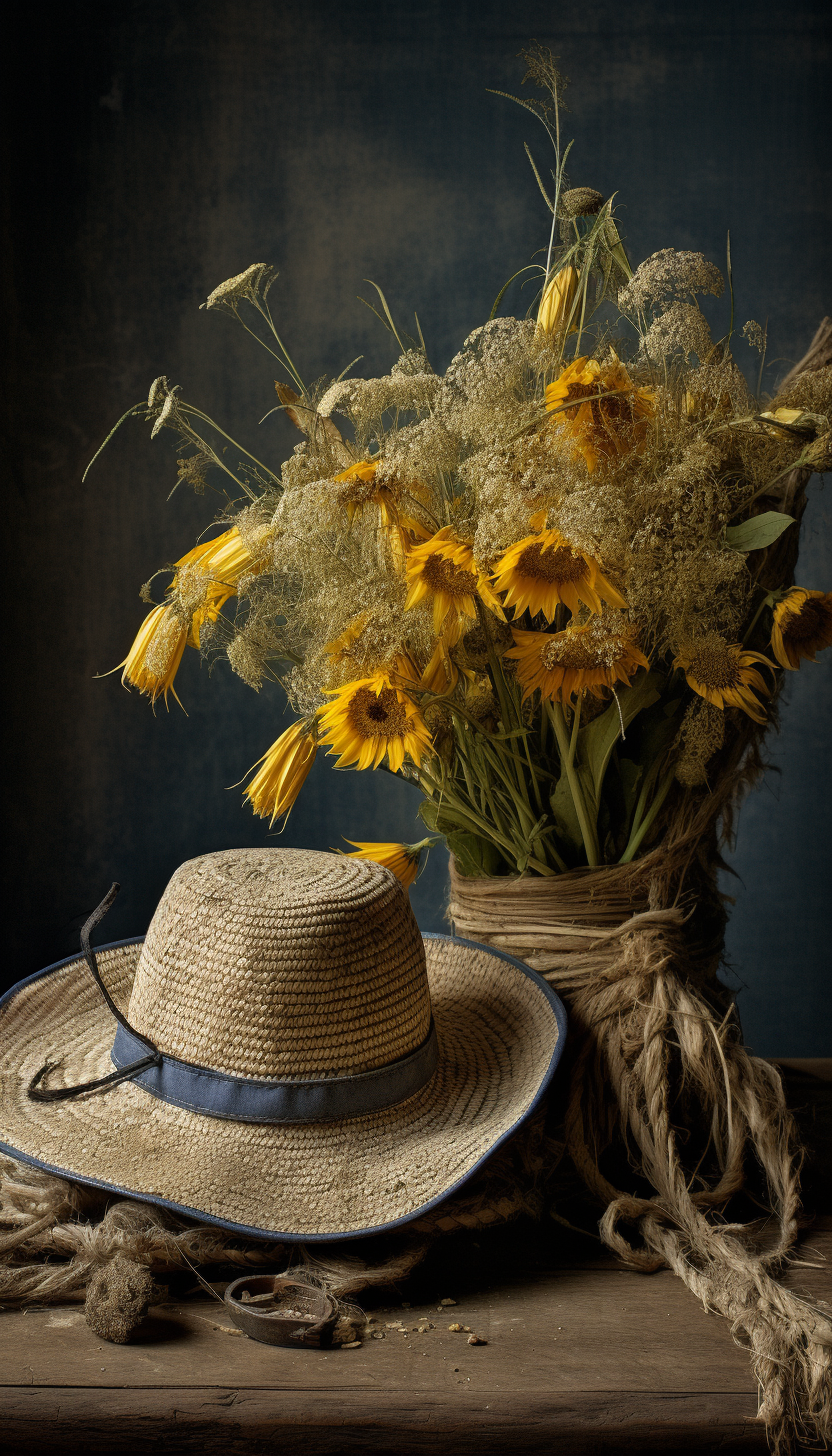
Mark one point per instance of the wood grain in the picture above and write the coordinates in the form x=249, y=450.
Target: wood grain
x=248, y=1422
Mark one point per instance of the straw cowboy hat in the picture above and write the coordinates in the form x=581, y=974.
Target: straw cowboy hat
x=283, y=1054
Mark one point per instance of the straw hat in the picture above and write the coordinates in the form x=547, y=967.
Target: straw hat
x=284, y=1053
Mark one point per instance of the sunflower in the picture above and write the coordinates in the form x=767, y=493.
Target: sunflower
x=443, y=570
x=153, y=661
x=370, y=718
x=613, y=417
x=276, y=785
x=204, y=579
x=359, y=489
x=579, y=660
x=802, y=626
x=559, y=302
x=402, y=859
x=542, y=570
x=724, y=673
x=342, y=645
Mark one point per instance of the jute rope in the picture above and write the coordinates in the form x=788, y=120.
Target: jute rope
x=659, y=1068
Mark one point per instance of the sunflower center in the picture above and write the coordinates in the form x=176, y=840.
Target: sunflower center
x=377, y=716
x=442, y=575
x=809, y=624
x=551, y=563
x=714, y=665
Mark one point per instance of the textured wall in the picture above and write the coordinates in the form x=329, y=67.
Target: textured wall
x=155, y=149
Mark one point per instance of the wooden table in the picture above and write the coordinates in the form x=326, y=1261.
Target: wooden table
x=582, y=1357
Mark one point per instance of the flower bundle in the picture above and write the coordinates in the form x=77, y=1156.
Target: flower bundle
x=546, y=586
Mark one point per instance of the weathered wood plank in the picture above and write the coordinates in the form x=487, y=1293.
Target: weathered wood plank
x=190, y=1421
x=564, y=1331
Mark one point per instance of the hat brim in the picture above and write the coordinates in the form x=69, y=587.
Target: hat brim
x=501, y=1032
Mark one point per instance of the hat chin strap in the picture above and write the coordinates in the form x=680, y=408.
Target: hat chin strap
x=152, y=1056
x=240, y=1099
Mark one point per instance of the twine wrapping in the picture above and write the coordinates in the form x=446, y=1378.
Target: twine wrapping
x=656, y=1065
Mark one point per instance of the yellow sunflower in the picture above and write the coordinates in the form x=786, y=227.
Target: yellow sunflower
x=558, y=306
x=276, y=785
x=442, y=570
x=611, y=425
x=542, y=570
x=373, y=717
x=153, y=661
x=724, y=673
x=802, y=626
x=204, y=579
x=342, y=645
x=402, y=859
x=579, y=660
x=359, y=489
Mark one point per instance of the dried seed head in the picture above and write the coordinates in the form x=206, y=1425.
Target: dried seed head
x=819, y=453
x=581, y=202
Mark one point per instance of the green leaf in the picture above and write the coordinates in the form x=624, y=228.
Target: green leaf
x=476, y=857
x=760, y=531
x=565, y=817
x=597, y=741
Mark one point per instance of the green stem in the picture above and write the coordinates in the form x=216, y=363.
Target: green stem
x=638, y=835
x=588, y=835
x=576, y=724
x=755, y=619
x=266, y=313
x=469, y=818
x=192, y=410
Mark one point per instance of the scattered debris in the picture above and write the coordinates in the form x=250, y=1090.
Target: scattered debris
x=354, y=1345
x=476, y=1340
x=446, y=1302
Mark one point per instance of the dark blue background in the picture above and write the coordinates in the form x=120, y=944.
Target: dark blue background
x=154, y=149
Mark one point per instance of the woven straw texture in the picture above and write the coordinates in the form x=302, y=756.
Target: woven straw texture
x=281, y=1001
x=246, y=949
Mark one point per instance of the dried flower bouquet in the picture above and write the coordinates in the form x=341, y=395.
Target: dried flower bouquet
x=531, y=586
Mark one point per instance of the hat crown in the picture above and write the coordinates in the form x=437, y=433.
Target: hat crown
x=283, y=963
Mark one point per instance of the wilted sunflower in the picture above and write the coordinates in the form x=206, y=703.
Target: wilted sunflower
x=276, y=785
x=204, y=579
x=402, y=859
x=342, y=645
x=543, y=570
x=802, y=626
x=153, y=661
x=558, y=306
x=724, y=673
x=579, y=660
x=608, y=414
x=359, y=489
x=443, y=570
x=370, y=718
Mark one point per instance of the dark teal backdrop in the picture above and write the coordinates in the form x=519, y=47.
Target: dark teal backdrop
x=153, y=150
